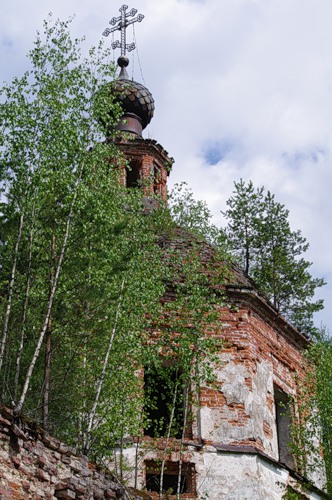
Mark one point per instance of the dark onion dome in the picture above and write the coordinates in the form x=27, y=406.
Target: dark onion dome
x=136, y=100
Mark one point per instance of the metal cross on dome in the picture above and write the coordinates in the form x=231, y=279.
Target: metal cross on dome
x=123, y=22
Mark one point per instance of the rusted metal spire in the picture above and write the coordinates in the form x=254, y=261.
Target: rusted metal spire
x=123, y=22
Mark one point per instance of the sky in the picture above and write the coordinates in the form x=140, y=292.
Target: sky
x=243, y=89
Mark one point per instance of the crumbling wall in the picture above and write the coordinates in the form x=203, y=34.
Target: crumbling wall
x=234, y=446
x=226, y=473
x=240, y=408
x=36, y=466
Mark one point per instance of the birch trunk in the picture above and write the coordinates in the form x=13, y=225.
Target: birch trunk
x=25, y=309
x=11, y=291
x=167, y=440
x=92, y=414
x=48, y=346
x=43, y=330
x=185, y=417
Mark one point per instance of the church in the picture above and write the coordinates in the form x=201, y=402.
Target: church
x=237, y=446
x=237, y=436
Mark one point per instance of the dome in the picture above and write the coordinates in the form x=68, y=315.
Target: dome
x=136, y=100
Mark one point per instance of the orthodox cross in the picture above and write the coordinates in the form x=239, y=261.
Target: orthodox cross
x=123, y=22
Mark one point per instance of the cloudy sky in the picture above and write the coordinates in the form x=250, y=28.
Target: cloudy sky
x=243, y=89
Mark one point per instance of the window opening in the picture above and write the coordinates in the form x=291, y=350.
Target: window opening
x=163, y=388
x=170, y=479
x=283, y=409
x=133, y=175
x=156, y=179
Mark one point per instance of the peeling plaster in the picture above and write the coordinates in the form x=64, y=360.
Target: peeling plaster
x=231, y=423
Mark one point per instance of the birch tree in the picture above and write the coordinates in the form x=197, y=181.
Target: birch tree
x=84, y=270
x=70, y=234
x=272, y=253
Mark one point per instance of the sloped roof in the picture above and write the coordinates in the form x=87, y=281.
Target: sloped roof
x=238, y=286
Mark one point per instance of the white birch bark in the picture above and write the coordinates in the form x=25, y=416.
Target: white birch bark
x=43, y=330
x=185, y=417
x=11, y=291
x=167, y=440
x=103, y=372
x=25, y=309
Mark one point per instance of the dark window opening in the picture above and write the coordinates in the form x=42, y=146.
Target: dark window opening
x=170, y=477
x=283, y=408
x=133, y=175
x=164, y=389
x=156, y=179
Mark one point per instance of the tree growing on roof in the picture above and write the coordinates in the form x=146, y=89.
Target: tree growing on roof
x=260, y=236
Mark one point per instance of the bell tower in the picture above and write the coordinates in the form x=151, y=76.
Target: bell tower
x=148, y=164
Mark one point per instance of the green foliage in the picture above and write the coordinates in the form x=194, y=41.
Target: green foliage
x=322, y=355
x=314, y=430
x=292, y=494
x=259, y=234
x=194, y=215
x=84, y=284
x=71, y=235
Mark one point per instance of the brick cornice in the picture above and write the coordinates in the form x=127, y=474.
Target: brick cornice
x=252, y=298
x=139, y=146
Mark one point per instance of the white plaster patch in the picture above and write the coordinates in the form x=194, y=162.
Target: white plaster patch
x=236, y=477
x=233, y=378
x=229, y=424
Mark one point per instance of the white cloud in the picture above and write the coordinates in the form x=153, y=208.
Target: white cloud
x=251, y=77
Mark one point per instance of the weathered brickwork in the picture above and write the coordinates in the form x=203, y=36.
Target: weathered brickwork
x=36, y=466
x=152, y=163
x=257, y=356
x=233, y=449
x=237, y=449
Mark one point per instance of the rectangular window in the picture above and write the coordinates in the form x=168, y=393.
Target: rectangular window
x=165, y=400
x=156, y=179
x=170, y=477
x=283, y=409
x=133, y=175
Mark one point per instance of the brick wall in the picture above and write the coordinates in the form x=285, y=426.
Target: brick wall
x=239, y=409
x=36, y=466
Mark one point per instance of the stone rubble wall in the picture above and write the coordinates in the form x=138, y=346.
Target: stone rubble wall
x=36, y=466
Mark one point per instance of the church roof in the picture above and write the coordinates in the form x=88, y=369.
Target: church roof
x=237, y=286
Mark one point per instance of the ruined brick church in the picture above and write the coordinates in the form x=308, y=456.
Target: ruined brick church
x=237, y=447
x=237, y=444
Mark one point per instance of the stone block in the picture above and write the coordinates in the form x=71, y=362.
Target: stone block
x=4, y=422
x=65, y=459
x=110, y=494
x=75, y=465
x=65, y=494
x=16, y=461
x=98, y=493
x=54, y=444
x=26, y=485
x=63, y=448
x=42, y=461
x=42, y=475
